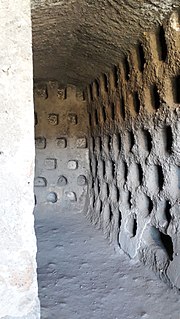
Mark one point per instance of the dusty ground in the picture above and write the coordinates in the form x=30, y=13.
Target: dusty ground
x=81, y=276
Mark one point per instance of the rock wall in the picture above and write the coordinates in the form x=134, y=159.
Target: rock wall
x=134, y=118
x=62, y=156
x=18, y=280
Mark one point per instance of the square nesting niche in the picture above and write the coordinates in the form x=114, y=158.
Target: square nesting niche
x=61, y=142
x=72, y=165
x=81, y=142
x=53, y=119
x=50, y=163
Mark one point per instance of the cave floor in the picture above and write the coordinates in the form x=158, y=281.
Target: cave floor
x=81, y=276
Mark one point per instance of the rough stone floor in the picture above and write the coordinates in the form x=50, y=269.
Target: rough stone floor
x=81, y=277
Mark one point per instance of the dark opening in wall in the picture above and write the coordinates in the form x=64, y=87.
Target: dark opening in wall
x=163, y=241
x=113, y=111
x=131, y=140
x=119, y=220
x=140, y=171
x=108, y=190
x=35, y=118
x=141, y=57
x=168, y=139
x=95, y=168
x=103, y=168
x=100, y=207
x=160, y=177
x=90, y=119
x=126, y=68
x=110, y=213
x=109, y=141
x=100, y=144
x=96, y=116
x=167, y=211
x=122, y=108
x=134, y=227
x=52, y=197
x=118, y=194
x=147, y=140
x=125, y=171
x=97, y=87
x=161, y=44
x=91, y=92
x=168, y=244
x=98, y=187
x=119, y=141
x=129, y=199
x=65, y=93
x=150, y=205
x=93, y=183
x=105, y=80
x=137, y=104
x=155, y=98
x=176, y=89
x=116, y=76
x=104, y=113
x=93, y=143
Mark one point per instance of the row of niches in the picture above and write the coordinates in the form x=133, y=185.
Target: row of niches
x=61, y=142
x=53, y=197
x=149, y=100
x=154, y=178
x=131, y=199
x=108, y=202
x=154, y=47
x=52, y=164
x=151, y=96
x=43, y=90
x=62, y=181
x=53, y=119
x=160, y=143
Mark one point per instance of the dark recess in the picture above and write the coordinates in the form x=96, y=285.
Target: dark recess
x=148, y=140
x=125, y=171
x=135, y=227
x=155, y=98
x=126, y=69
x=140, y=171
x=169, y=139
x=137, y=104
x=131, y=140
x=104, y=113
x=167, y=211
x=97, y=87
x=161, y=44
x=141, y=57
x=160, y=177
x=116, y=76
x=168, y=244
x=176, y=89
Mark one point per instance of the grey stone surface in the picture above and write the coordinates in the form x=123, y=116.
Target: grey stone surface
x=66, y=156
x=134, y=153
x=18, y=281
x=74, y=41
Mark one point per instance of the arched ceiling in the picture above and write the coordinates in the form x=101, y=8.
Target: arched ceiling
x=75, y=40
